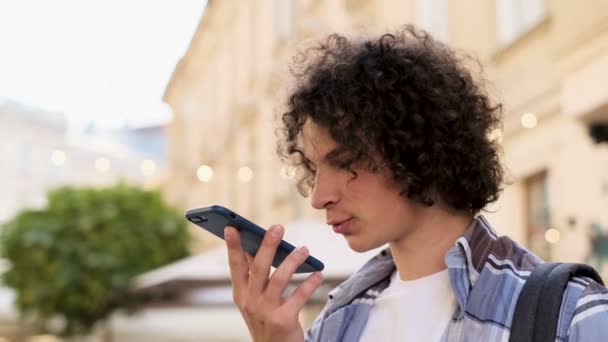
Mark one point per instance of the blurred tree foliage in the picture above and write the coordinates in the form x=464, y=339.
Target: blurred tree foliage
x=72, y=262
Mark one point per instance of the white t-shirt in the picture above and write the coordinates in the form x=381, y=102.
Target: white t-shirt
x=417, y=310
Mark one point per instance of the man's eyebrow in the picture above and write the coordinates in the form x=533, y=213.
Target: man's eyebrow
x=328, y=158
x=331, y=155
x=304, y=156
x=309, y=161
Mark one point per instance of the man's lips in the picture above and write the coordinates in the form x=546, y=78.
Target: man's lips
x=341, y=226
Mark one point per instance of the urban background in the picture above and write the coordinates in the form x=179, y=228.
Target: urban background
x=211, y=139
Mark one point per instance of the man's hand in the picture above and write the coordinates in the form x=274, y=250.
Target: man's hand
x=268, y=315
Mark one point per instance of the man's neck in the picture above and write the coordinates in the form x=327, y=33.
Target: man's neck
x=422, y=251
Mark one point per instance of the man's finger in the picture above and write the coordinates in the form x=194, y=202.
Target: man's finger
x=302, y=294
x=281, y=277
x=260, y=269
x=239, y=268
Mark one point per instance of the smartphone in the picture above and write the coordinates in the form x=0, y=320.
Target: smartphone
x=215, y=218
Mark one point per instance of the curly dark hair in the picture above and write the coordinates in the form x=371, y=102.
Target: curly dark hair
x=408, y=99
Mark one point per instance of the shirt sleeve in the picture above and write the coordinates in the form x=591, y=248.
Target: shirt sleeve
x=590, y=320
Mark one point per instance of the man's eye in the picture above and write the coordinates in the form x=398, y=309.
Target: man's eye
x=339, y=166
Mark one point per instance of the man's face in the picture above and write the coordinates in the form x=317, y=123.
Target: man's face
x=367, y=209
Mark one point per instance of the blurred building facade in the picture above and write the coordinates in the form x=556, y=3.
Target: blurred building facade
x=548, y=72
x=546, y=60
x=29, y=138
x=37, y=153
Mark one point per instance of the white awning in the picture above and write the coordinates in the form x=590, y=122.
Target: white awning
x=210, y=268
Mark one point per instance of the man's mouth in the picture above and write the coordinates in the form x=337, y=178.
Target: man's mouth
x=341, y=226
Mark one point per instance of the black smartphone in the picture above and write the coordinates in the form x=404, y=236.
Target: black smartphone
x=215, y=218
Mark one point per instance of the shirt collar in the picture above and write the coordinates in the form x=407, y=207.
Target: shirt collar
x=374, y=273
x=468, y=256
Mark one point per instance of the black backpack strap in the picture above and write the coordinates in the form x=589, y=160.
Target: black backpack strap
x=552, y=294
x=524, y=316
x=537, y=310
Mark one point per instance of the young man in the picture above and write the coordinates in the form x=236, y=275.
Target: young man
x=392, y=136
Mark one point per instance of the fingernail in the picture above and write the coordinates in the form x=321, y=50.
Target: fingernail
x=226, y=232
x=276, y=231
x=302, y=250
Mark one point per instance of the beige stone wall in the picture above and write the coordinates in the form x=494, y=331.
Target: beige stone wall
x=534, y=74
x=226, y=90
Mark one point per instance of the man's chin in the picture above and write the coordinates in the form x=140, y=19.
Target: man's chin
x=358, y=245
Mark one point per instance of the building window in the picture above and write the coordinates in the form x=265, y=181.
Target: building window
x=516, y=17
x=538, y=214
x=432, y=16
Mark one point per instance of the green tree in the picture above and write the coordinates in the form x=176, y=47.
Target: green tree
x=74, y=259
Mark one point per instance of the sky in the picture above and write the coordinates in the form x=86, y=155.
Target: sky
x=106, y=61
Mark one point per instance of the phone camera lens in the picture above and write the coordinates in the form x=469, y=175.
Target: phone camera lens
x=198, y=219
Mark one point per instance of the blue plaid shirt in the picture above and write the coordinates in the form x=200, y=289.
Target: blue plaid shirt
x=487, y=273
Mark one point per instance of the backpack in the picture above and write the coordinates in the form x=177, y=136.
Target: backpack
x=537, y=309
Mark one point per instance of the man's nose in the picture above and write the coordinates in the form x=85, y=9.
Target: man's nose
x=324, y=192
